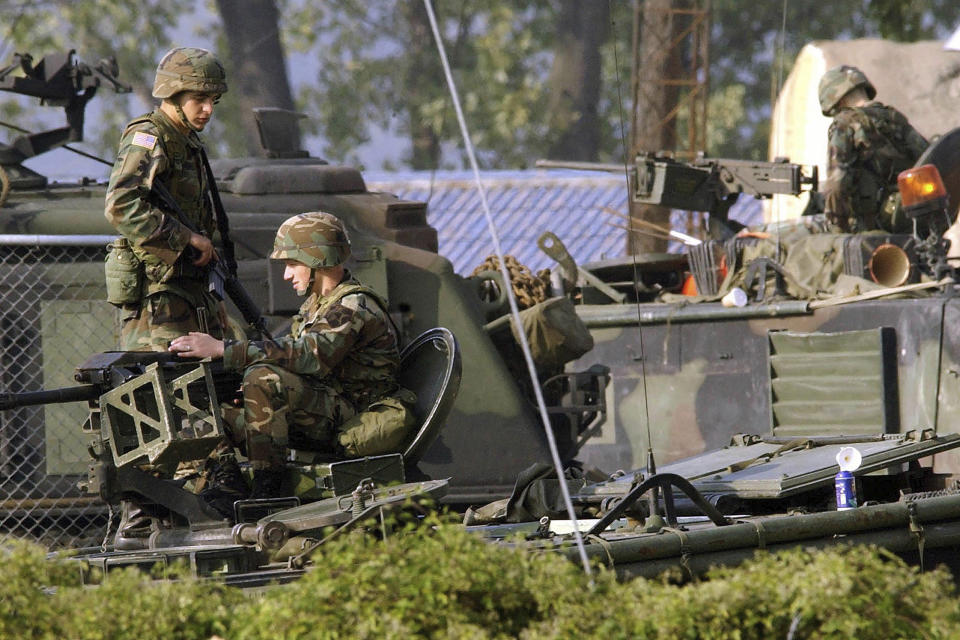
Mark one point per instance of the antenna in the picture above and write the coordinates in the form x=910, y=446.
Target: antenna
x=507, y=285
x=651, y=463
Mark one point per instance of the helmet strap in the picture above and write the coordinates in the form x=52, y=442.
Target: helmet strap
x=183, y=116
x=309, y=288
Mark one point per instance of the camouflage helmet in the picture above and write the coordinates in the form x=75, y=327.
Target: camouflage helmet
x=838, y=82
x=316, y=239
x=189, y=69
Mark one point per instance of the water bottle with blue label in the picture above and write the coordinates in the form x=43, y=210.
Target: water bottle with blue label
x=849, y=460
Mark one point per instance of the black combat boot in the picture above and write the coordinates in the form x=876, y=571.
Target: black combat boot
x=226, y=485
x=268, y=483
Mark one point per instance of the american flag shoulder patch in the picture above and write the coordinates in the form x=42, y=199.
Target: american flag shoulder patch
x=144, y=140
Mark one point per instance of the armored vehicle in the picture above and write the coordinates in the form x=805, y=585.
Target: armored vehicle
x=803, y=396
x=836, y=340
x=804, y=348
x=54, y=315
x=865, y=321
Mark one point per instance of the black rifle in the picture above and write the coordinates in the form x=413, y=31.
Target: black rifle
x=222, y=274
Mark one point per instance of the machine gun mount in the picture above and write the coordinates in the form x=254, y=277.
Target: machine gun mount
x=58, y=80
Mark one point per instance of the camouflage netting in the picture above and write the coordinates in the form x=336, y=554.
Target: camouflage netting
x=528, y=288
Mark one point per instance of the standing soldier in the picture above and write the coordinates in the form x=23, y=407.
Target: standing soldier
x=156, y=272
x=330, y=385
x=869, y=144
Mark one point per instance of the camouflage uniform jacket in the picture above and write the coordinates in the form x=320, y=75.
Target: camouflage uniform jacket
x=152, y=148
x=869, y=146
x=344, y=339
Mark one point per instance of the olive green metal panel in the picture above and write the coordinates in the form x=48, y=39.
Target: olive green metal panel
x=842, y=382
x=71, y=330
x=313, y=482
x=491, y=434
x=776, y=469
x=948, y=392
x=369, y=265
x=803, y=469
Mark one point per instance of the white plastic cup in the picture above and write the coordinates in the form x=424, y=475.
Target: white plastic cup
x=736, y=297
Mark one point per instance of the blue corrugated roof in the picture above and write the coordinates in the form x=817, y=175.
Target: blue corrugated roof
x=578, y=206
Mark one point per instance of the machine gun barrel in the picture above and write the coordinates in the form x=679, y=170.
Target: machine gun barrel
x=581, y=166
x=104, y=371
x=702, y=184
x=49, y=396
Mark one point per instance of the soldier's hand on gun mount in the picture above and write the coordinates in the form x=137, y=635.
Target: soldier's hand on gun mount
x=204, y=247
x=197, y=345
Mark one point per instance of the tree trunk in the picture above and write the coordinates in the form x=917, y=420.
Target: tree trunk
x=258, y=73
x=574, y=82
x=423, y=72
x=654, y=129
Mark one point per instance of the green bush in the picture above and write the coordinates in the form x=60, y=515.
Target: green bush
x=26, y=578
x=131, y=605
x=847, y=592
x=438, y=581
x=442, y=583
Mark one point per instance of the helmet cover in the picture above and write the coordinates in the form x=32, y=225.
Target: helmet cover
x=838, y=82
x=189, y=69
x=316, y=239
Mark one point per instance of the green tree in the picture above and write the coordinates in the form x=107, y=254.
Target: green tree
x=377, y=68
x=138, y=34
x=257, y=65
x=95, y=30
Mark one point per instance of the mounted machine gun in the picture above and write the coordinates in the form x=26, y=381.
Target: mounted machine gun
x=705, y=184
x=58, y=80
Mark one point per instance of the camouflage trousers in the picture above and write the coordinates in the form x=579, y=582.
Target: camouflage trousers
x=163, y=316
x=281, y=409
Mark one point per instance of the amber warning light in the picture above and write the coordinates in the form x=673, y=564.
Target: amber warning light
x=920, y=185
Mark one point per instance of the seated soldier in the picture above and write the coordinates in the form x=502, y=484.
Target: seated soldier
x=329, y=386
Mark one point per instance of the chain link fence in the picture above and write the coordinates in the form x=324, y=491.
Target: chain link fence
x=53, y=315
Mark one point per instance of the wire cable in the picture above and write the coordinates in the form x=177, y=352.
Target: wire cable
x=514, y=311
x=632, y=230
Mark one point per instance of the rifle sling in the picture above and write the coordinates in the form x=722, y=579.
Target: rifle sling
x=223, y=225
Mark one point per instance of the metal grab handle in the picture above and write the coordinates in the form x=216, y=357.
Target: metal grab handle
x=664, y=481
x=551, y=245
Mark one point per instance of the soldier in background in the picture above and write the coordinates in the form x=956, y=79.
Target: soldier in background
x=156, y=272
x=329, y=386
x=869, y=145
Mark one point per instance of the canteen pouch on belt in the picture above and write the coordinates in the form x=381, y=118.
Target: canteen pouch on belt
x=124, y=274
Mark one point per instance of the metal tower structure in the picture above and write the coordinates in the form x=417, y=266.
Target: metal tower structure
x=671, y=46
